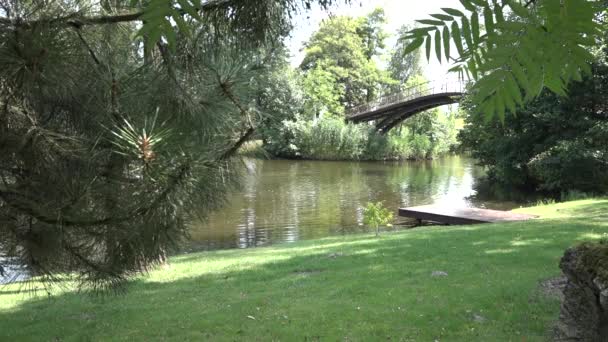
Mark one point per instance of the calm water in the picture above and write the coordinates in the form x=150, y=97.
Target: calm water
x=285, y=200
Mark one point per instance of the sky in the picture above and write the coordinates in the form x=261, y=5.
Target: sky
x=398, y=12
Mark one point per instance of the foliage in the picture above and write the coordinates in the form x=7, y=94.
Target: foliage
x=553, y=144
x=279, y=95
x=513, y=50
x=107, y=151
x=376, y=215
x=333, y=139
x=322, y=92
x=494, y=272
x=250, y=21
x=340, y=70
x=571, y=166
x=403, y=67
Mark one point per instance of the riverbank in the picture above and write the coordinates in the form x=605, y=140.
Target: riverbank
x=286, y=200
x=467, y=283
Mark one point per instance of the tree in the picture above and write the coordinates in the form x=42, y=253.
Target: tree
x=402, y=67
x=341, y=52
x=553, y=144
x=376, y=215
x=514, y=49
x=371, y=31
x=108, y=147
x=322, y=91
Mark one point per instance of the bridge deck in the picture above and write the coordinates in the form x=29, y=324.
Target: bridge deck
x=393, y=109
x=449, y=215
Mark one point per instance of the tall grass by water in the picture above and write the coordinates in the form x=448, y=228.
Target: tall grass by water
x=333, y=139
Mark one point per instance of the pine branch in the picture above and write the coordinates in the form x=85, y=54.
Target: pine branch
x=88, y=47
x=232, y=150
x=77, y=21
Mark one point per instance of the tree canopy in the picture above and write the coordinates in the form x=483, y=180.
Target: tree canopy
x=109, y=147
x=514, y=49
x=402, y=67
x=340, y=64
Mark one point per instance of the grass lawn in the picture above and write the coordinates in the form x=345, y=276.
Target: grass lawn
x=353, y=288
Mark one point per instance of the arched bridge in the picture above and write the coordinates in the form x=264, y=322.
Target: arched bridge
x=389, y=111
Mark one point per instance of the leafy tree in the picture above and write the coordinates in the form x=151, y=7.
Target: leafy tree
x=513, y=49
x=341, y=52
x=109, y=147
x=376, y=215
x=280, y=99
x=402, y=67
x=322, y=91
x=371, y=31
x=554, y=144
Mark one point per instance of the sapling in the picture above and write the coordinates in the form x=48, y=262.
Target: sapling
x=376, y=215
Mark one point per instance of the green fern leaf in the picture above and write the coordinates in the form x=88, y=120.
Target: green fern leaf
x=438, y=45
x=415, y=44
x=453, y=12
x=488, y=17
x=446, y=43
x=428, y=47
x=499, y=106
x=500, y=18
x=466, y=32
x=514, y=91
x=457, y=38
x=468, y=5
x=472, y=68
x=431, y=22
x=520, y=75
x=475, y=27
x=442, y=17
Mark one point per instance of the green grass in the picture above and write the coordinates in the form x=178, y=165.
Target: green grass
x=354, y=288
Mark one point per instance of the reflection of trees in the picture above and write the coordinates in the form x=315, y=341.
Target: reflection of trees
x=291, y=200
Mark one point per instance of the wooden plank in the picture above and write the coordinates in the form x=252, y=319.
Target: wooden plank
x=450, y=215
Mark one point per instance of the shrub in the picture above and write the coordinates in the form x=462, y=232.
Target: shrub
x=571, y=165
x=376, y=215
x=333, y=139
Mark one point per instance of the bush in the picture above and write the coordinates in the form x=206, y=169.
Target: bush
x=571, y=165
x=333, y=139
x=554, y=144
x=376, y=215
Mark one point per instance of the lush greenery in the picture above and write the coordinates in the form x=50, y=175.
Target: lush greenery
x=521, y=44
x=431, y=134
x=354, y=287
x=110, y=145
x=340, y=63
x=554, y=144
x=515, y=48
x=376, y=215
x=340, y=70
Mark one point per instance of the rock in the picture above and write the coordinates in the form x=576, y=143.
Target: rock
x=554, y=287
x=439, y=274
x=584, y=310
x=478, y=318
x=335, y=255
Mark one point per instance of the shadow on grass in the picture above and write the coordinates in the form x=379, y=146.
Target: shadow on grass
x=318, y=290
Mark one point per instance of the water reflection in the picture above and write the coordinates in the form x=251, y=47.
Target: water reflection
x=283, y=201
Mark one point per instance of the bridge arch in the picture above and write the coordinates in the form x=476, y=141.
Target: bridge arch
x=391, y=110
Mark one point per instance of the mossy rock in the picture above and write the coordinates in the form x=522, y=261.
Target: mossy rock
x=584, y=311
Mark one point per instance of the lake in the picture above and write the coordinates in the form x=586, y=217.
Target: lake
x=287, y=200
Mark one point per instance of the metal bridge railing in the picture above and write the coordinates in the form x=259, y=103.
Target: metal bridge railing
x=420, y=90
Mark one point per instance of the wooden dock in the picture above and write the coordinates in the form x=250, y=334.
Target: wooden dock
x=448, y=215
